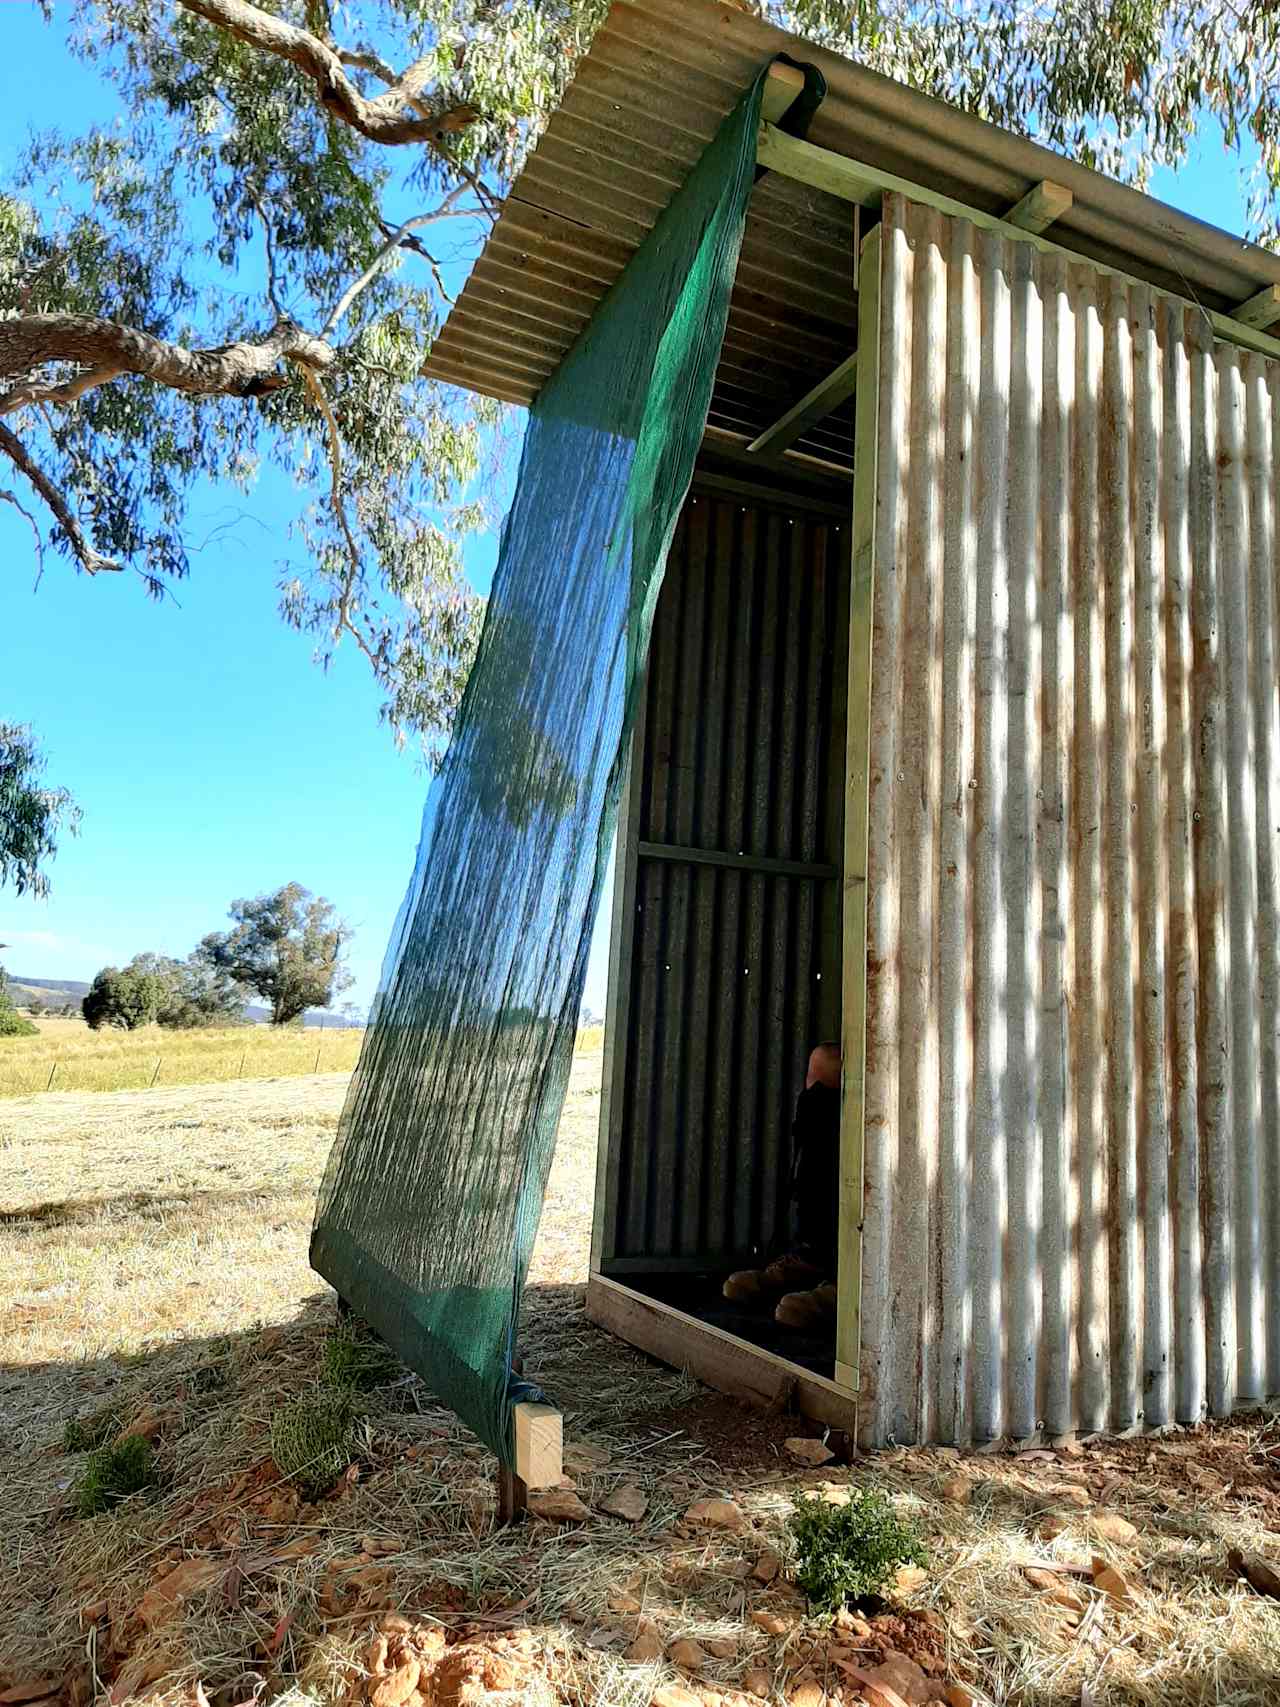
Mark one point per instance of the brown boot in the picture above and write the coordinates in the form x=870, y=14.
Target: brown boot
x=759, y=1285
x=813, y=1309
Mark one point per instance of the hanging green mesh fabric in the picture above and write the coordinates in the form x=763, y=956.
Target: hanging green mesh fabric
x=431, y=1199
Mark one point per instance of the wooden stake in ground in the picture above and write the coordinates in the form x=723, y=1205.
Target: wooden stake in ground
x=539, y=1431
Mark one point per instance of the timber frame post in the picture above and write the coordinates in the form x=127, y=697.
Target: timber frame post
x=857, y=786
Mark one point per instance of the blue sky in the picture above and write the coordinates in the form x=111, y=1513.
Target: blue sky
x=212, y=759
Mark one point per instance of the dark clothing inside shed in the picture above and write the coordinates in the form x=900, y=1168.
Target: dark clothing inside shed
x=815, y=1175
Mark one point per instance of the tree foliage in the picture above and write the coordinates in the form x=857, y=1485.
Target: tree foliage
x=286, y=946
x=12, y=1023
x=126, y=997
x=154, y=989
x=247, y=268
x=31, y=816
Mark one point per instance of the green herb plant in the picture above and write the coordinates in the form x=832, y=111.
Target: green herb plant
x=111, y=1473
x=848, y=1553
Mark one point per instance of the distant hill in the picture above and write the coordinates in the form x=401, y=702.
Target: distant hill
x=56, y=992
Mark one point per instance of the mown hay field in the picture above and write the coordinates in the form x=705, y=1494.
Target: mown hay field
x=67, y=1056
x=77, y=1059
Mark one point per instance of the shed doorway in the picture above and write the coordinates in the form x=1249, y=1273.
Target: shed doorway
x=726, y=950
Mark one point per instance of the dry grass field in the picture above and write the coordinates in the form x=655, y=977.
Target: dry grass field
x=77, y=1059
x=67, y=1056
x=153, y=1245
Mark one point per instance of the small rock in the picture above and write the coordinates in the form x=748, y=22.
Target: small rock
x=584, y=1460
x=687, y=1654
x=904, y=1675
x=396, y=1688
x=856, y=1627
x=766, y=1568
x=628, y=1503
x=621, y=1601
x=1258, y=1573
x=675, y=1695
x=558, y=1505
x=1075, y=1496
x=381, y=1546
x=149, y=1423
x=956, y=1490
x=772, y=1623
x=1110, y=1581
x=909, y=1578
x=720, y=1647
x=1049, y=1528
x=647, y=1647
x=757, y=1682
x=1112, y=1527
x=191, y=1577
x=832, y=1493
x=807, y=1692
x=959, y=1696
x=375, y=1661
x=717, y=1514
x=1052, y=1585
x=808, y=1451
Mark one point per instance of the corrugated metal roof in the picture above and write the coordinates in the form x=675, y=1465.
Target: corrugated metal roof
x=647, y=98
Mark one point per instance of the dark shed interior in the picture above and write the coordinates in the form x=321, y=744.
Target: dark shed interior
x=727, y=940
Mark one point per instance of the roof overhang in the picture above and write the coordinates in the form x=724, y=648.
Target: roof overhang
x=659, y=78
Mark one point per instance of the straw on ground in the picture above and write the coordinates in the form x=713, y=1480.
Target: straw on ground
x=154, y=1247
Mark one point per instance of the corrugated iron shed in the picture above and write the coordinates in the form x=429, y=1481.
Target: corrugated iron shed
x=647, y=98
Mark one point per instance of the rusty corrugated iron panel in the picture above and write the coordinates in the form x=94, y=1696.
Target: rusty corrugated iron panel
x=734, y=973
x=1072, y=1129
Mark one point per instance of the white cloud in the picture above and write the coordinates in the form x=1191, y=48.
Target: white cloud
x=36, y=939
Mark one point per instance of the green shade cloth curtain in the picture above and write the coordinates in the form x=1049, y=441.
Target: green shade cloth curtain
x=431, y=1198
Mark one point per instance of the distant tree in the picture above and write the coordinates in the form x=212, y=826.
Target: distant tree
x=35, y=1007
x=30, y=816
x=287, y=946
x=156, y=989
x=12, y=1023
x=127, y=998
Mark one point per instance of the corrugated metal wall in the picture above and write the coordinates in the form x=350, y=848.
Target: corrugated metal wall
x=733, y=964
x=1072, y=1128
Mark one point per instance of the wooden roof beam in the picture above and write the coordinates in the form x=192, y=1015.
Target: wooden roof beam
x=828, y=394
x=864, y=185
x=783, y=85
x=1260, y=311
x=1040, y=206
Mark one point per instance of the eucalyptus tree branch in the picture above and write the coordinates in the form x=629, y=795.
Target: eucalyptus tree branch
x=352, y=575
x=12, y=498
x=383, y=119
x=108, y=349
x=417, y=247
x=90, y=560
x=395, y=239
x=272, y=297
